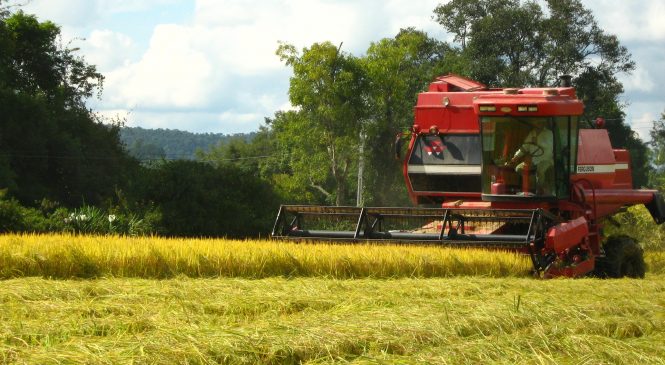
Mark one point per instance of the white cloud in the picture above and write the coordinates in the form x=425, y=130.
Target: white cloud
x=126, y=6
x=630, y=20
x=228, y=122
x=224, y=61
x=172, y=73
x=232, y=117
x=417, y=14
x=76, y=13
x=80, y=13
x=638, y=80
x=109, y=50
x=642, y=125
x=245, y=35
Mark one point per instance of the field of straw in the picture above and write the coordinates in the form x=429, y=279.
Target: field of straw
x=109, y=300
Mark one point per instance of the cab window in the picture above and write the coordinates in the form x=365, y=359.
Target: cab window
x=528, y=156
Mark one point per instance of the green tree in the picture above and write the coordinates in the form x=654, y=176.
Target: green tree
x=51, y=145
x=514, y=43
x=196, y=199
x=397, y=70
x=657, y=153
x=518, y=43
x=322, y=136
x=146, y=151
x=175, y=144
x=240, y=152
x=264, y=157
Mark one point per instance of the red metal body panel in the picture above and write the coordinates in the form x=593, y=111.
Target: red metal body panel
x=458, y=117
x=594, y=148
x=620, y=196
x=467, y=205
x=572, y=271
x=455, y=83
x=596, y=161
x=606, y=202
x=547, y=105
x=567, y=234
x=623, y=179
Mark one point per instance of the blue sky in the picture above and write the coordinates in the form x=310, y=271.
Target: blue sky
x=209, y=65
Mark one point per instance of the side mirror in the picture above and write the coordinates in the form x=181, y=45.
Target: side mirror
x=398, y=146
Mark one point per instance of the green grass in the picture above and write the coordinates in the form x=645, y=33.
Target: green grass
x=317, y=320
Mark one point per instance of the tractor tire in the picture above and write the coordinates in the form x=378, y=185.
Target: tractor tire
x=623, y=258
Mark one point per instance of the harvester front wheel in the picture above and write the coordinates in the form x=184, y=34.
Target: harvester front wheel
x=623, y=258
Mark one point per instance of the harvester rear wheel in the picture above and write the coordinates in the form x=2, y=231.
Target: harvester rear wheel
x=623, y=258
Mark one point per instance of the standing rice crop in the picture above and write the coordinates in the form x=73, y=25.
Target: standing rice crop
x=71, y=256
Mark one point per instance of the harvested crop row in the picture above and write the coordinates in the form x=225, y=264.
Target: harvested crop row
x=67, y=256
x=314, y=321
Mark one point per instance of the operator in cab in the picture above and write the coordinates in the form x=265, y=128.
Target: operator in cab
x=536, y=152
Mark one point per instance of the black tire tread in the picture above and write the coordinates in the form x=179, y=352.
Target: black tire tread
x=623, y=258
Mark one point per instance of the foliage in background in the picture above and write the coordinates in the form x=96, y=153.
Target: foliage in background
x=248, y=152
x=16, y=218
x=518, y=43
x=51, y=145
x=657, y=156
x=157, y=144
x=637, y=222
x=322, y=136
x=196, y=199
x=397, y=70
x=48, y=218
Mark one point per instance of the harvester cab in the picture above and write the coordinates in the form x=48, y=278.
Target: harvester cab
x=529, y=144
x=503, y=169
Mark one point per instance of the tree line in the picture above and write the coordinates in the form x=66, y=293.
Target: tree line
x=57, y=156
x=149, y=145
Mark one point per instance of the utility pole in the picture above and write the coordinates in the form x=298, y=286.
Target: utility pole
x=361, y=168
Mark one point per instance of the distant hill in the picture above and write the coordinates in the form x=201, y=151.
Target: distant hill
x=170, y=144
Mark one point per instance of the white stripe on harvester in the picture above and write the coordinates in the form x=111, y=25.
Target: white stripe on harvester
x=444, y=169
x=601, y=169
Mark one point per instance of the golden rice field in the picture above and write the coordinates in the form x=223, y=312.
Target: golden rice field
x=66, y=256
x=173, y=301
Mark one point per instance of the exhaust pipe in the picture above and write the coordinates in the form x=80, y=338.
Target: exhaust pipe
x=565, y=81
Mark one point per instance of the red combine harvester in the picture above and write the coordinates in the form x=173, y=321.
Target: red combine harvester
x=505, y=169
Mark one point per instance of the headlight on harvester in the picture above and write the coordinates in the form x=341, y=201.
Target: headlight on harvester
x=487, y=108
x=527, y=108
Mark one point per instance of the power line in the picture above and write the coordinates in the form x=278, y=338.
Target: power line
x=142, y=159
